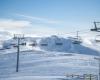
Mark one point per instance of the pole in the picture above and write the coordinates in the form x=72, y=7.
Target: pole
x=95, y=25
x=17, y=65
x=99, y=69
x=90, y=76
x=99, y=66
x=77, y=34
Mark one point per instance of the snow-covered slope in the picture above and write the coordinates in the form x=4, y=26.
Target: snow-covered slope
x=59, y=44
x=45, y=64
x=52, y=59
x=4, y=35
x=55, y=43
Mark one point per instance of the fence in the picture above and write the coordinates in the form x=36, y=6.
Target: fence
x=81, y=77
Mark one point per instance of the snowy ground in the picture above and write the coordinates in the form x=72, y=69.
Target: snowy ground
x=36, y=64
x=40, y=64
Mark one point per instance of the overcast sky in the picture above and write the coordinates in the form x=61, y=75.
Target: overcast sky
x=48, y=16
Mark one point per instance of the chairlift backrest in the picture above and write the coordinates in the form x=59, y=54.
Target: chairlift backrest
x=12, y=44
x=33, y=44
x=97, y=38
x=58, y=43
x=96, y=27
x=23, y=43
x=76, y=42
x=44, y=44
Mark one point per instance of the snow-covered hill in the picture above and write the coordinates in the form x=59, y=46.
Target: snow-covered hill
x=45, y=65
x=55, y=43
x=51, y=59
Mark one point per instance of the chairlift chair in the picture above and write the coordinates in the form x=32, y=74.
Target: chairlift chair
x=7, y=48
x=24, y=43
x=15, y=46
x=33, y=44
x=59, y=43
x=44, y=44
x=12, y=44
x=97, y=38
x=76, y=40
x=95, y=27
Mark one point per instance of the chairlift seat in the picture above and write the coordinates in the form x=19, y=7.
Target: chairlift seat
x=7, y=48
x=32, y=44
x=15, y=46
x=12, y=44
x=23, y=44
x=93, y=29
x=97, y=40
x=59, y=43
x=77, y=42
x=44, y=44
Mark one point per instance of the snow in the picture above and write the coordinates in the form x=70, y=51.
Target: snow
x=55, y=43
x=50, y=62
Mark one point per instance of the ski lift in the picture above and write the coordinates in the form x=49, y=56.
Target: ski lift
x=17, y=35
x=59, y=43
x=14, y=45
x=33, y=44
x=24, y=43
x=95, y=27
x=97, y=38
x=44, y=44
x=77, y=40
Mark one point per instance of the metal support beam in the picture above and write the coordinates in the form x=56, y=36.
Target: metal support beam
x=77, y=35
x=18, y=38
x=18, y=47
x=99, y=67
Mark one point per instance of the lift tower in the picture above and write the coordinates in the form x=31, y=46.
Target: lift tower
x=96, y=27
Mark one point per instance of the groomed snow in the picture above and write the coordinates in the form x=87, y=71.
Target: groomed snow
x=52, y=62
